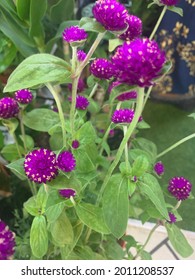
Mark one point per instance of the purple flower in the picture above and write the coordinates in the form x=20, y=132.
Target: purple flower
x=67, y=193
x=23, y=96
x=66, y=161
x=134, y=29
x=111, y=14
x=127, y=96
x=81, y=55
x=75, y=144
x=81, y=102
x=40, y=166
x=169, y=2
x=180, y=188
x=80, y=87
x=138, y=62
x=102, y=68
x=74, y=34
x=159, y=168
x=123, y=116
x=172, y=218
x=8, y=108
x=7, y=242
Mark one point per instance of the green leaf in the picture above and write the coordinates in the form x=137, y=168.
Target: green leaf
x=62, y=231
x=39, y=237
x=41, y=198
x=115, y=204
x=11, y=124
x=10, y=152
x=90, y=24
x=17, y=168
x=54, y=207
x=176, y=10
x=150, y=187
x=145, y=255
x=113, y=250
x=178, y=241
x=31, y=206
x=113, y=43
x=92, y=216
x=86, y=134
x=140, y=166
x=147, y=146
x=41, y=119
x=62, y=10
x=84, y=161
x=23, y=8
x=36, y=70
x=37, y=12
x=28, y=140
x=63, y=182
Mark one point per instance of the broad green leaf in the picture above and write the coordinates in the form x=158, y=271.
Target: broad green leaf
x=23, y=9
x=54, y=207
x=39, y=237
x=63, y=182
x=62, y=10
x=147, y=146
x=36, y=70
x=28, y=140
x=150, y=187
x=115, y=204
x=134, y=153
x=1, y=139
x=41, y=198
x=84, y=161
x=7, y=54
x=62, y=231
x=17, y=167
x=86, y=134
x=31, y=206
x=41, y=119
x=90, y=24
x=113, y=43
x=10, y=152
x=113, y=250
x=92, y=216
x=140, y=166
x=11, y=124
x=176, y=10
x=178, y=241
x=145, y=255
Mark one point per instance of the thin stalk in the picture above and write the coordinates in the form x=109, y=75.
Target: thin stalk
x=93, y=90
x=119, y=153
x=74, y=59
x=147, y=96
x=31, y=186
x=176, y=145
x=158, y=22
x=147, y=240
x=73, y=104
x=177, y=205
x=17, y=145
x=23, y=132
x=60, y=111
x=126, y=149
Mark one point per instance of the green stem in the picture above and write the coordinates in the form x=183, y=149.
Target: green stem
x=147, y=240
x=74, y=59
x=177, y=205
x=32, y=188
x=93, y=90
x=147, y=96
x=176, y=145
x=73, y=104
x=158, y=22
x=130, y=130
x=60, y=111
x=17, y=145
x=23, y=131
x=126, y=149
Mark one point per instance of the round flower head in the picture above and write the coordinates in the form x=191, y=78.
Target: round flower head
x=102, y=68
x=23, y=96
x=7, y=242
x=67, y=193
x=81, y=85
x=169, y=2
x=66, y=161
x=180, y=188
x=172, y=218
x=159, y=168
x=138, y=62
x=81, y=102
x=123, y=116
x=74, y=34
x=111, y=14
x=134, y=29
x=75, y=144
x=8, y=108
x=40, y=166
x=81, y=55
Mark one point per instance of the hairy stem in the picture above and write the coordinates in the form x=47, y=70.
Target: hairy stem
x=73, y=104
x=23, y=131
x=158, y=22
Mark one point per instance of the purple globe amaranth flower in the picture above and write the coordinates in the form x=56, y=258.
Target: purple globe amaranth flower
x=123, y=116
x=7, y=242
x=67, y=193
x=23, y=96
x=172, y=217
x=81, y=102
x=40, y=165
x=66, y=161
x=159, y=168
x=75, y=144
x=111, y=14
x=74, y=34
x=180, y=188
x=127, y=96
x=81, y=85
x=81, y=55
x=8, y=108
x=138, y=62
x=102, y=68
x=169, y=2
x=134, y=29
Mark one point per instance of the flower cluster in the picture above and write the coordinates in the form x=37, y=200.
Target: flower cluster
x=67, y=193
x=123, y=116
x=7, y=242
x=81, y=102
x=81, y=55
x=159, y=168
x=8, y=108
x=134, y=29
x=23, y=96
x=66, y=161
x=138, y=62
x=102, y=68
x=169, y=2
x=180, y=188
x=74, y=34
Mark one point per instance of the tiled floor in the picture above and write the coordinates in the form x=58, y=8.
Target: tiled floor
x=159, y=246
